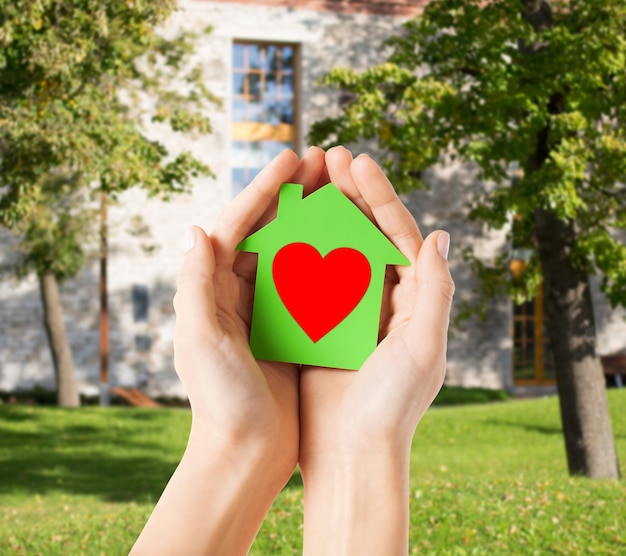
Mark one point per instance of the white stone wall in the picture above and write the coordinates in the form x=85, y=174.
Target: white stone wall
x=479, y=352
x=325, y=40
x=610, y=323
x=480, y=355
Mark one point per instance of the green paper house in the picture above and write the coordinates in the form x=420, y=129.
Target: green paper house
x=319, y=282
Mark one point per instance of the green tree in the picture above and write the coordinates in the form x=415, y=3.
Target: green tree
x=77, y=79
x=537, y=84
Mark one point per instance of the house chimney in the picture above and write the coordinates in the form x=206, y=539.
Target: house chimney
x=290, y=194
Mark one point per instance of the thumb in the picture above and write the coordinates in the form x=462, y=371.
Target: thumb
x=428, y=326
x=194, y=302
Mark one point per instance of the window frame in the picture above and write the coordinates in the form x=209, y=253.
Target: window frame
x=250, y=131
x=539, y=338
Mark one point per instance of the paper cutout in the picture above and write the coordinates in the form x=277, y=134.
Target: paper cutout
x=319, y=292
x=326, y=221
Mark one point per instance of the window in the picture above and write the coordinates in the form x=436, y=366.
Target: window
x=532, y=356
x=141, y=302
x=264, y=107
x=533, y=361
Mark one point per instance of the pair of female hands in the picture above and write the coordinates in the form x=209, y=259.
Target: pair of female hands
x=350, y=431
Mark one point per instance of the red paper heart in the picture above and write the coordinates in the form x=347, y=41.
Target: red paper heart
x=319, y=292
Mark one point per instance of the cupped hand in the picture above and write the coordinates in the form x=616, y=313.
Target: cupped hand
x=379, y=406
x=243, y=443
x=234, y=398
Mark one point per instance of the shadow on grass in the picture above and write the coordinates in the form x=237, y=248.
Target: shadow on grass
x=295, y=481
x=118, y=455
x=457, y=395
x=541, y=429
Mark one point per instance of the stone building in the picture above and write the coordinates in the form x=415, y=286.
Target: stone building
x=263, y=59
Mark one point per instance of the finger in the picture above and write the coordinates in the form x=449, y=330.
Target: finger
x=338, y=161
x=427, y=329
x=307, y=173
x=246, y=209
x=310, y=169
x=392, y=217
x=194, y=302
x=324, y=178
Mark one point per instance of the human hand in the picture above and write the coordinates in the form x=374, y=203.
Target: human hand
x=356, y=428
x=242, y=399
x=243, y=444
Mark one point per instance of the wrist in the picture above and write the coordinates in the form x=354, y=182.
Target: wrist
x=272, y=457
x=220, y=492
x=356, y=502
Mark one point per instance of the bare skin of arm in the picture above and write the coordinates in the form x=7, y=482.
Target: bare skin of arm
x=356, y=428
x=243, y=444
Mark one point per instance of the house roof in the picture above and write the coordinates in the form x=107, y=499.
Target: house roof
x=326, y=219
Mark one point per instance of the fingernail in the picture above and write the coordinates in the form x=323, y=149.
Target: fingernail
x=443, y=244
x=190, y=238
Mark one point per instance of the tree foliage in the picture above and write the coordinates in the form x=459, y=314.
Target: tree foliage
x=78, y=79
x=482, y=82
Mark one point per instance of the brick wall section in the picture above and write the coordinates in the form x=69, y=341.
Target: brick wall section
x=380, y=7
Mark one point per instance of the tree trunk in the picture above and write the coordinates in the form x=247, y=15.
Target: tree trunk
x=589, y=442
x=67, y=391
x=580, y=380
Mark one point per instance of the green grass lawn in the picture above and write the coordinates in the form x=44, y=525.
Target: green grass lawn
x=485, y=479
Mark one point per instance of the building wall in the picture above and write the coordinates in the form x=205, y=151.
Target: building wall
x=330, y=33
x=326, y=39
x=479, y=352
x=610, y=323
